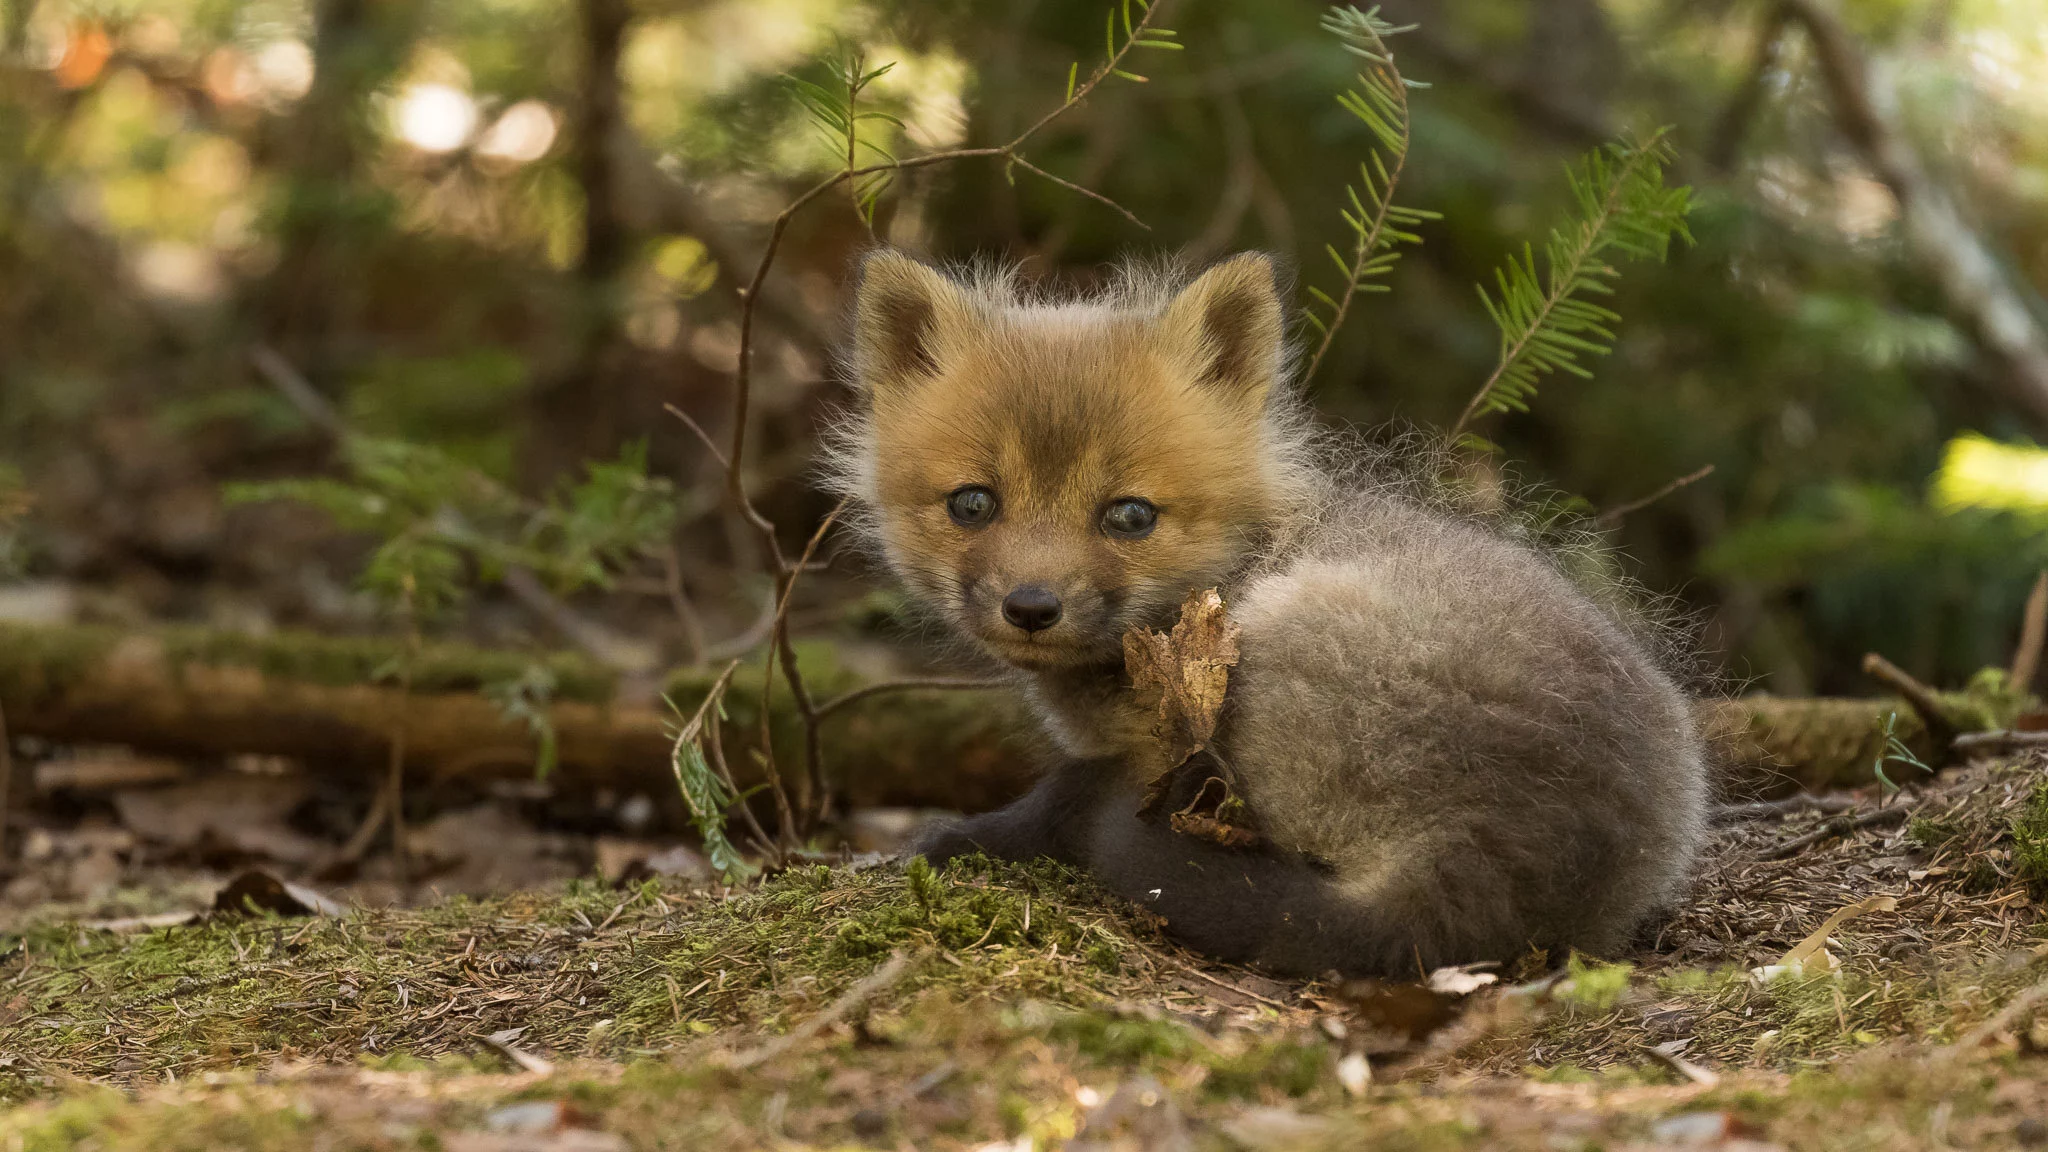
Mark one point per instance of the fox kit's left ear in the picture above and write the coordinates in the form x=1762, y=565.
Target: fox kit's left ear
x=904, y=315
x=1230, y=319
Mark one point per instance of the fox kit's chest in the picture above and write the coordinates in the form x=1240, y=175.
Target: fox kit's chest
x=1092, y=717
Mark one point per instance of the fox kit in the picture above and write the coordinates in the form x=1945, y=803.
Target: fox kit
x=1452, y=752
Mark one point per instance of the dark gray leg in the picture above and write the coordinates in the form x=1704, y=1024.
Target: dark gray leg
x=1050, y=820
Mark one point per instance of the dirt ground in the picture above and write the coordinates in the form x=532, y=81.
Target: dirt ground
x=606, y=1005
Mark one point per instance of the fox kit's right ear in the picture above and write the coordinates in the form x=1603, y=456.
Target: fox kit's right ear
x=1230, y=321
x=903, y=313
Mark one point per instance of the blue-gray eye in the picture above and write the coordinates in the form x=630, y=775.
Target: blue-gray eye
x=1129, y=518
x=972, y=506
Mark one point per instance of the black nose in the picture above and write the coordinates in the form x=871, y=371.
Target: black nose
x=1032, y=608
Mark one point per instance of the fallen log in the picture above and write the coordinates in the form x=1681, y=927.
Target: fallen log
x=331, y=702
x=1766, y=746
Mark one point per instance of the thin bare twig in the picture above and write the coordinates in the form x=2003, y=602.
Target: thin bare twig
x=704, y=437
x=1616, y=514
x=762, y=627
x=596, y=640
x=687, y=617
x=1090, y=193
x=743, y=373
x=1220, y=982
x=394, y=779
x=1735, y=119
x=298, y=391
x=908, y=684
x=360, y=840
x=1925, y=701
x=814, y=798
x=873, y=984
x=734, y=458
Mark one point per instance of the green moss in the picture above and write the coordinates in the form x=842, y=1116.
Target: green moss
x=1117, y=1037
x=670, y=966
x=50, y=658
x=1932, y=833
x=1037, y=930
x=2030, y=836
x=1294, y=1066
x=340, y=661
x=1592, y=986
x=106, y=1120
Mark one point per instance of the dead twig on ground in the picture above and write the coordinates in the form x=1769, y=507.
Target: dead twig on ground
x=1765, y=809
x=1220, y=982
x=2005, y=1018
x=880, y=980
x=1840, y=826
x=1997, y=742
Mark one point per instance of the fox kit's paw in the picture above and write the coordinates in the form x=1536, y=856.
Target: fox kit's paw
x=943, y=839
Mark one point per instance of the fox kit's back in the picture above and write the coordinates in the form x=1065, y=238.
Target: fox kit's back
x=1451, y=752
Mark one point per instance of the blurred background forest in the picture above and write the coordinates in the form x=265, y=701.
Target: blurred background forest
x=513, y=230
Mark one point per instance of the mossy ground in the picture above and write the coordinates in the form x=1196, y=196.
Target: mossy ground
x=1035, y=1007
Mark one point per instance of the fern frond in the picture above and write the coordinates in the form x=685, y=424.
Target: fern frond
x=1547, y=321
x=1378, y=226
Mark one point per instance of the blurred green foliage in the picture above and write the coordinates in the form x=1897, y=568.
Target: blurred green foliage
x=407, y=202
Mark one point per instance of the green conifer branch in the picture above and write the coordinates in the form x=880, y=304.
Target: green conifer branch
x=1546, y=322
x=1377, y=224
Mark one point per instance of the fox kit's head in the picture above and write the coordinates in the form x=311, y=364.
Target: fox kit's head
x=1049, y=474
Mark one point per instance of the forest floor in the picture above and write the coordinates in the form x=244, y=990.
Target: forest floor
x=1000, y=1006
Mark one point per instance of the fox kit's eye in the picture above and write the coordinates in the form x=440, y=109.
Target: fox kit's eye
x=971, y=506
x=1129, y=518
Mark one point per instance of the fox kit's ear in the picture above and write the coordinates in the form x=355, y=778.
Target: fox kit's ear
x=1230, y=319
x=903, y=312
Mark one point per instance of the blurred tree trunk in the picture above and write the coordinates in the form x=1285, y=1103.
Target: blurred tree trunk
x=579, y=412
x=1997, y=308
x=14, y=33
x=1572, y=52
x=329, y=213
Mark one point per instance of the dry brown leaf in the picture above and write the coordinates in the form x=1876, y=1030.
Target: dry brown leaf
x=1215, y=814
x=1183, y=675
x=1811, y=955
x=1215, y=831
